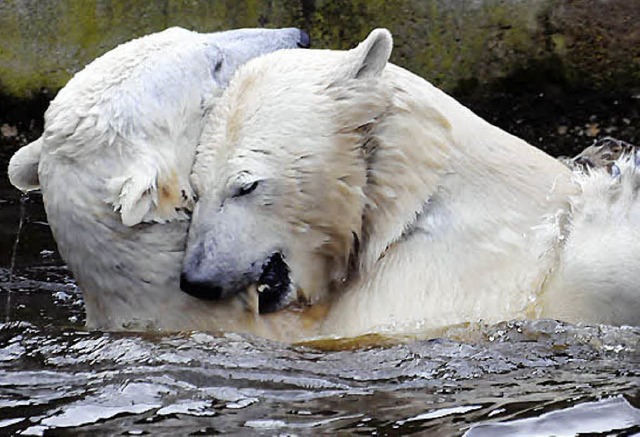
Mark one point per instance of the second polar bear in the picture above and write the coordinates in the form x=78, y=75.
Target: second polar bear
x=336, y=183
x=114, y=161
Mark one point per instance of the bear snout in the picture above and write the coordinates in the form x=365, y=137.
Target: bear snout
x=268, y=281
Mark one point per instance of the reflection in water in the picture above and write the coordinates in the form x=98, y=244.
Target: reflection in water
x=590, y=417
x=506, y=379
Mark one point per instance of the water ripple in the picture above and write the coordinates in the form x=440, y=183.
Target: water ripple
x=477, y=378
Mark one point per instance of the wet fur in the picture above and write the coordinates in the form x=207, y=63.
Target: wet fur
x=398, y=207
x=113, y=164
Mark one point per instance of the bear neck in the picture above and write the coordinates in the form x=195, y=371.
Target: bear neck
x=434, y=153
x=463, y=221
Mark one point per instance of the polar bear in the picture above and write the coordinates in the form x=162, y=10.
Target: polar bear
x=113, y=165
x=342, y=195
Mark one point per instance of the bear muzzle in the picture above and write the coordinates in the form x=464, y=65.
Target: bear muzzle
x=272, y=284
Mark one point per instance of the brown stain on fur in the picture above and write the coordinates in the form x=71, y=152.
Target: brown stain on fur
x=169, y=194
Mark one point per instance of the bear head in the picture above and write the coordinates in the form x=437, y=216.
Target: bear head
x=144, y=102
x=281, y=176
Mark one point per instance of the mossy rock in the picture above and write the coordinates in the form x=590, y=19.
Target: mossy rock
x=457, y=44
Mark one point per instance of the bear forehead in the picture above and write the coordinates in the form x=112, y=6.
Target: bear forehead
x=283, y=98
x=285, y=71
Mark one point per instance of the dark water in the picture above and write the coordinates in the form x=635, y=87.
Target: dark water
x=60, y=379
x=518, y=378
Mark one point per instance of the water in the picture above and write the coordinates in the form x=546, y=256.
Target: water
x=100, y=383
x=517, y=378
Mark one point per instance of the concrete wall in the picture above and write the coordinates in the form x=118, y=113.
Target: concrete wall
x=457, y=44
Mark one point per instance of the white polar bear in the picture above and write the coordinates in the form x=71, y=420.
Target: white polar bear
x=342, y=195
x=114, y=161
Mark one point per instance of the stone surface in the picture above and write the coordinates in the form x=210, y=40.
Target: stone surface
x=457, y=44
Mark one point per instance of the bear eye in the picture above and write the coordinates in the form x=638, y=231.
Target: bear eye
x=246, y=189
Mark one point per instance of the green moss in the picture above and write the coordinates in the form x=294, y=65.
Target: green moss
x=43, y=42
x=559, y=44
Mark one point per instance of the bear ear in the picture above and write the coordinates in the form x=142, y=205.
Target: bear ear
x=23, y=167
x=371, y=55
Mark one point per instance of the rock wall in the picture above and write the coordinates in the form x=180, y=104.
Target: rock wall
x=457, y=44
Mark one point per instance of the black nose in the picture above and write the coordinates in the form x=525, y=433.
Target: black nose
x=199, y=289
x=305, y=40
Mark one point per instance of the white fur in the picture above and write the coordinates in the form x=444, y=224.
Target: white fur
x=397, y=208
x=113, y=164
x=596, y=278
